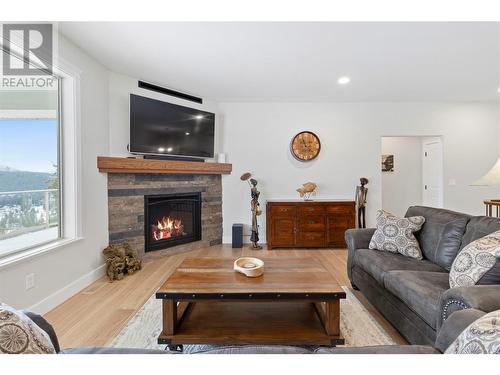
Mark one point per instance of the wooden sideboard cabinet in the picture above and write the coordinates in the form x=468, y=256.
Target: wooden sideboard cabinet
x=297, y=223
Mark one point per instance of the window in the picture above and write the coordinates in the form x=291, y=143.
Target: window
x=30, y=165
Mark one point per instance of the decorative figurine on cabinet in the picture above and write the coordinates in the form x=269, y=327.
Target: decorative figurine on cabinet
x=306, y=190
x=361, y=194
x=254, y=205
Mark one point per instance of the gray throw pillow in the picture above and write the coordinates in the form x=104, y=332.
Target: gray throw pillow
x=395, y=234
x=477, y=263
x=481, y=337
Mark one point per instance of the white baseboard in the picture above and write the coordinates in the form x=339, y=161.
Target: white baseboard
x=68, y=291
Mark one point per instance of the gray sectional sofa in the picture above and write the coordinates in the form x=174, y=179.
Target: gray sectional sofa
x=449, y=331
x=415, y=295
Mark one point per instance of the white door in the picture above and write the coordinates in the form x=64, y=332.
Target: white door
x=432, y=173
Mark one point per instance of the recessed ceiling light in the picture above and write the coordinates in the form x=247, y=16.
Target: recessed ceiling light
x=499, y=89
x=344, y=80
x=161, y=149
x=199, y=117
x=169, y=149
x=187, y=133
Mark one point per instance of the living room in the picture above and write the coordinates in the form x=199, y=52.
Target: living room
x=250, y=187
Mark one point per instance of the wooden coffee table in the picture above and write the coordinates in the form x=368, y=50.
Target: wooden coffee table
x=295, y=302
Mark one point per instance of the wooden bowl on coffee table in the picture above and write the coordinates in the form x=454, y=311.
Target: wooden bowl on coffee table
x=248, y=266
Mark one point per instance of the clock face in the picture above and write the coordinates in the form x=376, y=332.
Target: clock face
x=305, y=146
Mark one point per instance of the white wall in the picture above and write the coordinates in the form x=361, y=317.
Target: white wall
x=120, y=88
x=403, y=187
x=62, y=272
x=256, y=137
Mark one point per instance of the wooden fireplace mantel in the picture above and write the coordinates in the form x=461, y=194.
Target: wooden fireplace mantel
x=108, y=164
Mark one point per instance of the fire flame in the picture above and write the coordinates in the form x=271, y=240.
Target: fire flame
x=167, y=228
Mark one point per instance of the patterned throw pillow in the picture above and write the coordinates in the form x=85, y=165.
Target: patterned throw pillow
x=20, y=335
x=481, y=337
x=477, y=261
x=395, y=234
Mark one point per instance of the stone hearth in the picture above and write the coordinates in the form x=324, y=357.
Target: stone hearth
x=126, y=205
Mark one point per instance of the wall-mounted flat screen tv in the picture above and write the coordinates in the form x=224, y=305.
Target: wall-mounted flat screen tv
x=161, y=128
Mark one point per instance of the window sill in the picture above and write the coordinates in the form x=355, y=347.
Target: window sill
x=36, y=251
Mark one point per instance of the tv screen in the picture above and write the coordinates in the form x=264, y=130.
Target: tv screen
x=162, y=128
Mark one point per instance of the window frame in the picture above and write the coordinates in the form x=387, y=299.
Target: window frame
x=69, y=162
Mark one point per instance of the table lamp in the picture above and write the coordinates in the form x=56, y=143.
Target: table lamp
x=492, y=178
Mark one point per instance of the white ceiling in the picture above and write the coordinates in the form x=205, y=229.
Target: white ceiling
x=265, y=62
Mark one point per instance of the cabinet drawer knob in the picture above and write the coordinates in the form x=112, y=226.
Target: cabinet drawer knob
x=311, y=221
x=284, y=209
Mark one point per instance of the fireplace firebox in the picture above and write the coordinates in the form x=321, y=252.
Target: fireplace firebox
x=171, y=220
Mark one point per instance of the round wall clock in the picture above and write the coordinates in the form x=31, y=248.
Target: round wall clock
x=305, y=146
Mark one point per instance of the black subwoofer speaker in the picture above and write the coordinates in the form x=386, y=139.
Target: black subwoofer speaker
x=237, y=235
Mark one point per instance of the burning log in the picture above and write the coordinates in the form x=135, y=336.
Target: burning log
x=167, y=228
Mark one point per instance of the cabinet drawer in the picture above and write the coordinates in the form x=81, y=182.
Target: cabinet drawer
x=283, y=232
x=312, y=239
x=311, y=223
x=340, y=209
x=311, y=209
x=336, y=239
x=340, y=221
x=283, y=210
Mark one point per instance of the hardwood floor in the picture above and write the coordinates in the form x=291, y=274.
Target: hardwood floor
x=94, y=316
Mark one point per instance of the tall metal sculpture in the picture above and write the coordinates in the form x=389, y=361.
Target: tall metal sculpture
x=361, y=194
x=254, y=205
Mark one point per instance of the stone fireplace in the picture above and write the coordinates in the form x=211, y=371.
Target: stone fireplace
x=171, y=219
x=174, y=212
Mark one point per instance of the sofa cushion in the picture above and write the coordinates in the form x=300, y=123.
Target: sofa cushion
x=479, y=226
x=380, y=349
x=420, y=291
x=106, y=350
x=395, y=234
x=478, y=262
x=481, y=337
x=441, y=236
x=247, y=349
x=377, y=263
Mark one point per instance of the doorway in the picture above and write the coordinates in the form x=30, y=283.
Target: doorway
x=412, y=172
x=432, y=172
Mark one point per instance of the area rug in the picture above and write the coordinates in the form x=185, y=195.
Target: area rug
x=357, y=325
